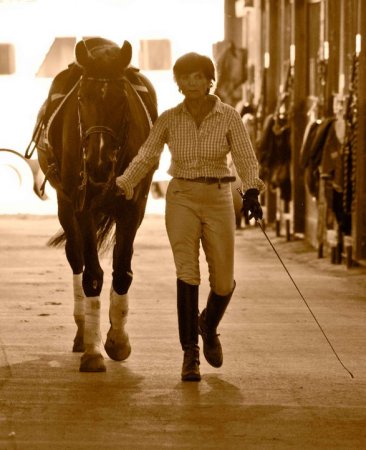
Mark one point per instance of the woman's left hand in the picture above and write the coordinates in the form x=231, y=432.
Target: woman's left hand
x=251, y=206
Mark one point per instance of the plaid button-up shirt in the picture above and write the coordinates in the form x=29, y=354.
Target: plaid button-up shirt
x=196, y=151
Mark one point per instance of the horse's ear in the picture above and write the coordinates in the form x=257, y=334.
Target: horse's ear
x=82, y=54
x=126, y=53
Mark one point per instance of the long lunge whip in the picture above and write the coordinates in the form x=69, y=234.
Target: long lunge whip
x=298, y=290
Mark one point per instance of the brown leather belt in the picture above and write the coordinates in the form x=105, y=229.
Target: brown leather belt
x=210, y=180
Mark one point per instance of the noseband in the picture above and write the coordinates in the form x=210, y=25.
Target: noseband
x=98, y=129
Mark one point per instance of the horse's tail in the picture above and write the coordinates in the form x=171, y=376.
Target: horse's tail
x=57, y=240
x=105, y=235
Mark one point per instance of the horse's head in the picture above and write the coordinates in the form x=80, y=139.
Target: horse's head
x=102, y=106
x=100, y=57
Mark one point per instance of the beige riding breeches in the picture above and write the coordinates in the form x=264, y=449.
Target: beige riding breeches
x=202, y=213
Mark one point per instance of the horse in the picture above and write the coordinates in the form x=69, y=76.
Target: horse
x=231, y=64
x=102, y=116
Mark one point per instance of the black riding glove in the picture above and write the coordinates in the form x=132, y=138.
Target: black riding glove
x=251, y=206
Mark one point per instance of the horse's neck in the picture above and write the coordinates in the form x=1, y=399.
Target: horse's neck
x=144, y=89
x=139, y=120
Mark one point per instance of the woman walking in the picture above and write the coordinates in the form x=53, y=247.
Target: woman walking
x=200, y=132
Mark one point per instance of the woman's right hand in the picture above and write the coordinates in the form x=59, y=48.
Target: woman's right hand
x=124, y=188
x=120, y=184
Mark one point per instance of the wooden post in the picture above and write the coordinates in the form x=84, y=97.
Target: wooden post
x=359, y=216
x=299, y=115
x=232, y=24
x=272, y=8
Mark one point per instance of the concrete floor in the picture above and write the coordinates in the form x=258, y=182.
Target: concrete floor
x=281, y=386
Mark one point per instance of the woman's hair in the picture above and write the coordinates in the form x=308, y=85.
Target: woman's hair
x=193, y=62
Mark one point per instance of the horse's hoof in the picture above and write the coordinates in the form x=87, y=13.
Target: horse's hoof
x=117, y=345
x=78, y=346
x=92, y=363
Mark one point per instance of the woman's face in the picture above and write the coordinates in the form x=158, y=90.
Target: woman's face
x=194, y=85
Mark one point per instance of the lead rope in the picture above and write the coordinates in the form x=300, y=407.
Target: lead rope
x=298, y=290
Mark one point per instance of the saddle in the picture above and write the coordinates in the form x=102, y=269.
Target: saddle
x=61, y=88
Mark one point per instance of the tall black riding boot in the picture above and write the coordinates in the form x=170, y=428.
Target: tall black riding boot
x=207, y=324
x=187, y=303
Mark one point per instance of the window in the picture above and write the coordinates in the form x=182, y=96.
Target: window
x=155, y=54
x=59, y=56
x=7, y=59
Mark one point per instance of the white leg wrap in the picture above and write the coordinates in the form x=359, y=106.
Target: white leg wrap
x=79, y=297
x=92, y=335
x=118, y=310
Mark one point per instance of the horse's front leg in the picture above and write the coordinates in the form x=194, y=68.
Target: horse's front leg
x=117, y=344
x=79, y=312
x=75, y=258
x=92, y=360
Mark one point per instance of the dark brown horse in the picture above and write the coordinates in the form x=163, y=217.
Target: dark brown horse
x=104, y=111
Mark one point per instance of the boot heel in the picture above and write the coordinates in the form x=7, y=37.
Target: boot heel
x=191, y=364
x=187, y=303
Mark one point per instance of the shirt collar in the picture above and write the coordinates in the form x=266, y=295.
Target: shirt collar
x=218, y=106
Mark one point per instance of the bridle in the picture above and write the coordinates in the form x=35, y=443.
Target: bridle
x=119, y=138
